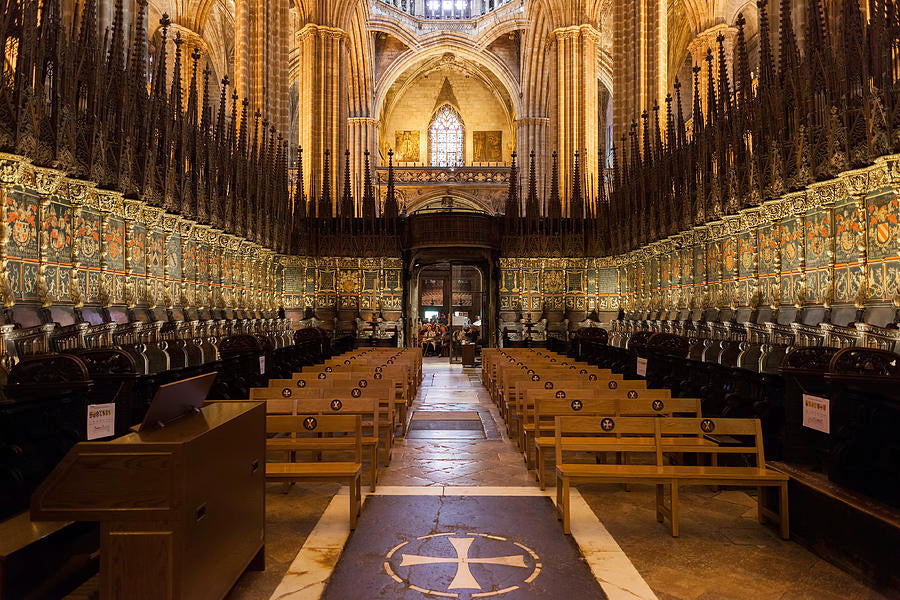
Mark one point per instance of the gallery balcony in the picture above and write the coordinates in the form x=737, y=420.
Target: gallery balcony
x=475, y=188
x=447, y=10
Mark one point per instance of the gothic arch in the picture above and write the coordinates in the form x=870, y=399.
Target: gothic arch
x=413, y=60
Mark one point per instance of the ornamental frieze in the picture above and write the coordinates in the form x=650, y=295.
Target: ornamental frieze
x=443, y=176
x=11, y=167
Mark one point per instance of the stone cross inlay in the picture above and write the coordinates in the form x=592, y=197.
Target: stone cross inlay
x=463, y=578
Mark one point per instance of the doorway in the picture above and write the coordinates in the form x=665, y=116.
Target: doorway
x=451, y=304
x=454, y=297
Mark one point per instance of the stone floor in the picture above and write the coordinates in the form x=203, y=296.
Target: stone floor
x=722, y=553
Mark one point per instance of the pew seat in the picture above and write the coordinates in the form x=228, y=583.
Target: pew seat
x=318, y=434
x=660, y=436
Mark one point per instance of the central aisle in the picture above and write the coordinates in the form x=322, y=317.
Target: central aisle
x=446, y=454
x=457, y=515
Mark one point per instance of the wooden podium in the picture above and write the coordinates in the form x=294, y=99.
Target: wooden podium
x=181, y=509
x=468, y=355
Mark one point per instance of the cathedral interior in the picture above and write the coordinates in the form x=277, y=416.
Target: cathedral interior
x=503, y=280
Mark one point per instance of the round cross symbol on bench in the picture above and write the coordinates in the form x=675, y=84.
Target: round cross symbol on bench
x=607, y=424
x=493, y=554
x=612, y=384
x=658, y=405
x=310, y=423
x=328, y=369
x=560, y=394
x=548, y=385
x=632, y=394
x=577, y=405
x=707, y=426
x=582, y=372
x=336, y=405
x=301, y=383
x=356, y=392
x=287, y=392
x=362, y=383
x=322, y=376
x=535, y=377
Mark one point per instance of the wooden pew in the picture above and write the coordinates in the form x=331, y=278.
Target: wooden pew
x=546, y=411
x=578, y=434
x=317, y=433
x=341, y=402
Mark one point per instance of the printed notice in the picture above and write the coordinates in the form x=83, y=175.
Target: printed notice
x=262, y=365
x=816, y=413
x=101, y=420
x=642, y=367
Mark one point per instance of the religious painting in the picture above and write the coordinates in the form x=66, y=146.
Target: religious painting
x=847, y=229
x=883, y=225
x=21, y=218
x=817, y=234
x=747, y=254
x=407, y=146
x=487, y=146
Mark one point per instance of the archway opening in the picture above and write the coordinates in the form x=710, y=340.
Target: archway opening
x=451, y=304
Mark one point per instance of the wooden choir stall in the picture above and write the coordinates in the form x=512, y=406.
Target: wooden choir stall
x=181, y=509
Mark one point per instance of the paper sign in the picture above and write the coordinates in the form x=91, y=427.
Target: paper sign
x=817, y=413
x=262, y=365
x=101, y=420
x=642, y=367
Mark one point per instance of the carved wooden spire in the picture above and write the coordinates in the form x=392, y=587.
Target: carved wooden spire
x=325, y=199
x=512, y=195
x=576, y=204
x=368, y=193
x=347, y=209
x=532, y=207
x=554, y=204
x=391, y=208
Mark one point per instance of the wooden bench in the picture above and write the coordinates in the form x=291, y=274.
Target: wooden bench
x=666, y=435
x=319, y=434
x=339, y=402
x=546, y=412
x=360, y=383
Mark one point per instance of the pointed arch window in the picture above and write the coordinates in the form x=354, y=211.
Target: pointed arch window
x=445, y=137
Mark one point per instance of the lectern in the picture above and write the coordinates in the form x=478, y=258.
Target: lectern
x=181, y=509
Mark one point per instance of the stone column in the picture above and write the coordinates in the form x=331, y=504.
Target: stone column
x=363, y=136
x=707, y=40
x=261, y=58
x=323, y=103
x=577, y=112
x=640, y=59
x=532, y=133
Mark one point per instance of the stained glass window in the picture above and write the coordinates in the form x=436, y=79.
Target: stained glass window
x=446, y=138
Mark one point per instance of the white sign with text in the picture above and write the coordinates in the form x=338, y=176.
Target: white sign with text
x=816, y=413
x=101, y=420
x=642, y=367
x=262, y=365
